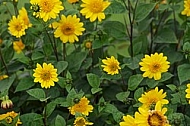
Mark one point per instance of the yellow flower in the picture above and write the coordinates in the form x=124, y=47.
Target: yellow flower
x=72, y=1
x=154, y=65
x=188, y=92
x=9, y=116
x=17, y=27
x=81, y=121
x=111, y=65
x=128, y=121
x=3, y=77
x=35, y=7
x=48, y=9
x=68, y=28
x=94, y=9
x=82, y=107
x=45, y=75
x=154, y=117
x=186, y=10
x=150, y=98
x=24, y=16
x=18, y=46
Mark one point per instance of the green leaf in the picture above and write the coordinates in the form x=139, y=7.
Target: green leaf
x=25, y=84
x=37, y=93
x=61, y=66
x=166, y=35
x=151, y=83
x=32, y=119
x=37, y=55
x=143, y=10
x=50, y=108
x=122, y=96
x=95, y=90
x=60, y=121
x=183, y=73
x=138, y=93
x=134, y=81
x=172, y=87
x=115, y=29
x=115, y=8
x=93, y=80
x=5, y=84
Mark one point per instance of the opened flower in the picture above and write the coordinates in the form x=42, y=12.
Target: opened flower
x=47, y=9
x=18, y=46
x=128, y=121
x=45, y=75
x=9, y=118
x=154, y=65
x=188, y=92
x=111, y=65
x=186, y=10
x=17, y=27
x=94, y=9
x=24, y=16
x=81, y=121
x=68, y=28
x=82, y=107
x=154, y=117
x=150, y=98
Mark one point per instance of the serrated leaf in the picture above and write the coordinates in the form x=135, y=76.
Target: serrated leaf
x=60, y=121
x=25, y=84
x=93, y=80
x=172, y=87
x=134, y=81
x=122, y=96
x=31, y=119
x=50, y=108
x=138, y=93
x=61, y=66
x=37, y=93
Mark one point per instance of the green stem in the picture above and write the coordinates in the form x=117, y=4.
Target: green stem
x=3, y=62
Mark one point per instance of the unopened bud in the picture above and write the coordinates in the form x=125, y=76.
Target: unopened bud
x=6, y=103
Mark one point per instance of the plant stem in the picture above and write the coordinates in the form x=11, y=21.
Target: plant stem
x=3, y=62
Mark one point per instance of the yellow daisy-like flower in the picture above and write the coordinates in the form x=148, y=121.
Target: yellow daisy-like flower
x=82, y=107
x=18, y=46
x=68, y=28
x=186, y=10
x=81, y=121
x=17, y=27
x=45, y=75
x=72, y=1
x=94, y=9
x=48, y=9
x=150, y=98
x=3, y=76
x=128, y=121
x=9, y=116
x=24, y=16
x=188, y=92
x=111, y=65
x=154, y=117
x=154, y=65
x=35, y=7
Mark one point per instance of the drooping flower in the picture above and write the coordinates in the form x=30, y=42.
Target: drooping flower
x=188, y=92
x=94, y=9
x=18, y=46
x=81, y=121
x=48, y=9
x=82, y=107
x=128, y=121
x=68, y=28
x=45, y=75
x=72, y=1
x=3, y=76
x=150, y=98
x=186, y=10
x=154, y=117
x=24, y=16
x=154, y=65
x=111, y=65
x=6, y=102
x=17, y=27
x=9, y=118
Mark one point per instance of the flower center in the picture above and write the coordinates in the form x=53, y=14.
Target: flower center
x=18, y=27
x=46, y=5
x=155, y=67
x=96, y=6
x=46, y=75
x=80, y=107
x=80, y=122
x=68, y=29
x=113, y=67
x=155, y=119
x=9, y=120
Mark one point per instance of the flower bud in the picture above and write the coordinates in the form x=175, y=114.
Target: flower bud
x=6, y=103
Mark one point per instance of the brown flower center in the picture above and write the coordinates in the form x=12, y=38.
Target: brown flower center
x=18, y=27
x=46, y=5
x=9, y=120
x=155, y=67
x=80, y=122
x=96, y=6
x=68, y=29
x=46, y=75
x=156, y=119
